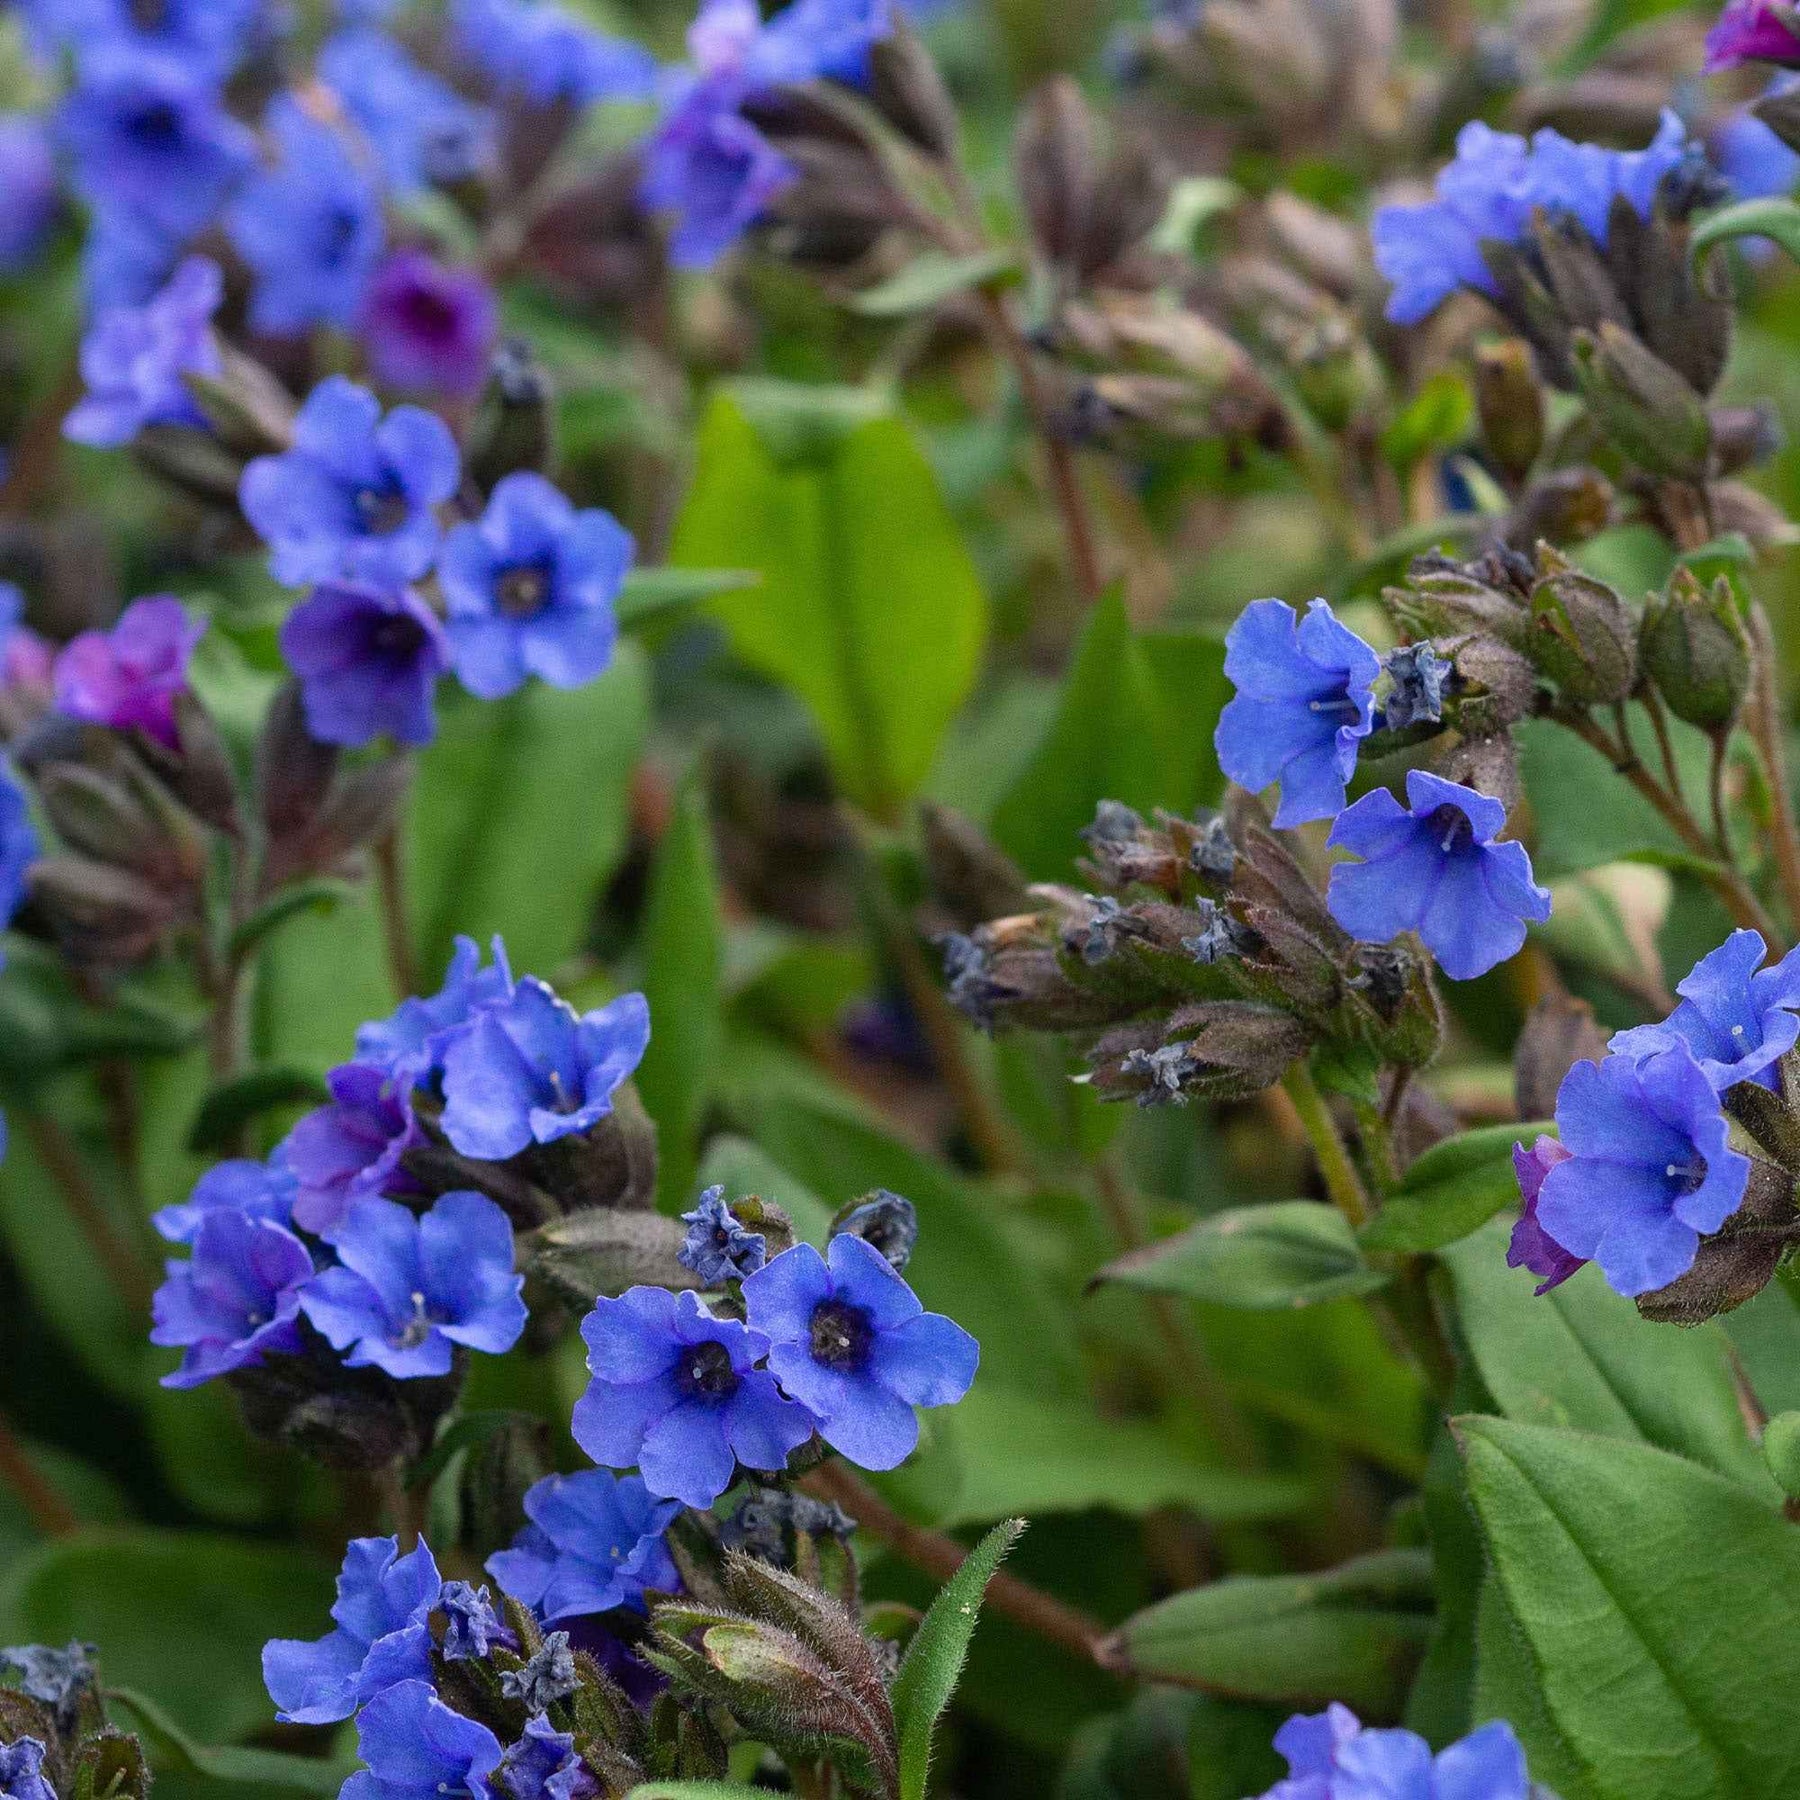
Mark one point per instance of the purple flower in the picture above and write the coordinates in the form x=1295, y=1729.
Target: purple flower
x=714, y=171
x=128, y=677
x=471, y=1625
x=368, y=662
x=1435, y=869
x=676, y=1392
x=427, y=328
x=310, y=228
x=422, y=131
x=1650, y=1167
x=1332, y=1756
x=28, y=179
x=1735, y=1015
x=529, y=1069
x=852, y=1344
x=26, y=660
x=409, y=1045
x=718, y=1247
x=1305, y=699
x=417, y=1748
x=351, y=1149
x=147, y=133
x=258, y=1190
x=236, y=1300
x=354, y=499
x=595, y=1542
x=544, y=1765
x=1753, y=31
x=412, y=1288
x=135, y=360
x=537, y=50
x=530, y=589
x=1532, y=1247
x=22, y=1772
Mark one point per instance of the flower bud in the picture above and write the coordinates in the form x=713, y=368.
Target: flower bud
x=1056, y=163
x=602, y=1252
x=1402, y=1020
x=1695, y=648
x=192, y=461
x=104, y=816
x=248, y=409
x=1559, y=1032
x=1648, y=411
x=1561, y=506
x=971, y=877
x=1216, y=1050
x=102, y=915
x=294, y=770
x=909, y=92
x=515, y=422
x=1584, y=636
x=1511, y=404
x=1738, y=1261
x=1780, y=111
x=1743, y=436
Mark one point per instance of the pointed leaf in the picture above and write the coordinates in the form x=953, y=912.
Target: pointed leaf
x=933, y=277
x=1453, y=1189
x=173, y=1751
x=1774, y=218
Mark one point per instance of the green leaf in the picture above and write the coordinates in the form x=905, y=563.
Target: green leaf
x=1282, y=1254
x=171, y=1749
x=1581, y=1356
x=684, y=952
x=233, y=1104
x=649, y=593
x=870, y=609
x=697, y=1790
x=1111, y=738
x=322, y=896
x=1775, y=219
x=1351, y=1633
x=1452, y=1189
x=519, y=815
x=1439, y=416
x=1507, y=1687
x=933, y=277
x=1659, y=1602
x=934, y=1659
x=181, y=1617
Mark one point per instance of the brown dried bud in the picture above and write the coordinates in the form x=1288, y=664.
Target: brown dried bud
x=192, y=461
x=1650, y=413
x=1738, y=1261
x=294, y=771
x=971, y=877
x=102, y=915
x=1511, y=404
x=909, y=92
x=1056, y=163
x=1561, y=506
x=1559, y=1032
x=1217, y=1050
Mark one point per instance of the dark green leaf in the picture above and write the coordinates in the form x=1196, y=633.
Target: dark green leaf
x=462, y=1433
x=1658, y=1601
x=1282, y=1254
x=934, y=1659
x=933, y=277
x=1453, y=1189
x=172, y=1749
x=232, y=1105
x=1776, y=219
x=1507, y=1687
x=1351, y=1633
x=322, y=896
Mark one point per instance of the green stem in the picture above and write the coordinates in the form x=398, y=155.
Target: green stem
x=390, y=880
x=1764, y=719
x=1342, y=1182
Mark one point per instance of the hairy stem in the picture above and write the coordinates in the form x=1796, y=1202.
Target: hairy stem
x=1338, y=1172
x=1763, y=716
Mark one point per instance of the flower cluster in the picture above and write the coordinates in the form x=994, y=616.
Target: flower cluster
x=1333, y=1756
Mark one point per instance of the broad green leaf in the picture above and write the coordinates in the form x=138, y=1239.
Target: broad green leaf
x=870, y=608
x=1453, y=1189
x=934, y=1660
x=181, y=1617
x=1283, y=1254
x=650, y=593
x=172, y=1749
x=1777, y=219
x=1507, y=1687
x=1581, y=1356
x=1187, y=669
x=519, y=816
x=1107, y=740
x=1351, y=1633
x=229, y=1107
x=318, y=979
x=933, y=277
x=1658, y=1601
x=683, y=958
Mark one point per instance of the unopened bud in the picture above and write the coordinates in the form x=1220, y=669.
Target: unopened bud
x=1695, y=648
x=192, y=461
x=1743, y=436
x=515, y=423
x=294, y=770
x=1559, y=1032
x=1561, y=506
x=1780, y=109
x=1510, y=400
x=1584, y=637
x=342, y=1417
x=1648, y=411
x=102, y=915
x=908, y=91
x=971, y=877
x=103, y=815
x=1738, y=1261
x=496, y=1475
x=248, y=409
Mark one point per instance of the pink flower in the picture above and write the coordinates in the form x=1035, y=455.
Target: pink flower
x=128, y=677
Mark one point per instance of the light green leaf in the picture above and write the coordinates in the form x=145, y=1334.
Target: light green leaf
x=934, y=1659
x=1452, y=1189
x=1581, y=1356
x=933, y=277
x=1351, y=1633
x=870, y=608
x=1283, y=1254
x=1777, y=219
x=1438, y=417
x=649, y=593
x=1658, y=1601
x=683, y=951
x=171, y=1749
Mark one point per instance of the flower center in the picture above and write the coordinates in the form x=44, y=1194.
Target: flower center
x=396, y=639
x=418, y=1328
x=1341, y=708
x=156, y=126
x=523, y=590
x=1689, y=1176
x=1450, y=826
x=705, y=1372
x=380, y=511
x=841, y=1336
x=149, y=15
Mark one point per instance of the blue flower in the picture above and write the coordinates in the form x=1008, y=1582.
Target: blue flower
x=802, y=42
x=471, y=1625
x=209, y=35
x=355, y=497
x=714, y=171
x=427, y=328
x=677, y=1392
x=350, y=1149
x=850, y=1341
x=717, y=1246
x=22, y=1772
x=529, y=1069
x=383, y=1602
x=368, y=662
x=1305, y=698
x=1735, y=1015
x=125, y=260
x=1331, y=1756
x=28, y=179
x=595, y=1542
x=422, y=131
x=310, y=228
x=18, y=844
x=410, y=1289
x=545, y=1765
x=1435, y=869
x=530, y=589
x=417, y=1748
x=535, y=49
x=1650, y=1168
x=258, y=1190
x=1416, y=676
x=236, y=1300
x=135, y=360
x=887, y=1220
x=148, y=134
x=409, y=1045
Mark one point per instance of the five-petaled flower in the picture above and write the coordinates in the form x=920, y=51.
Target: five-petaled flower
x=594, y=1542
x=235, y=1300
x=1333, y=1756
x=368, y=661
x=349, y=1149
